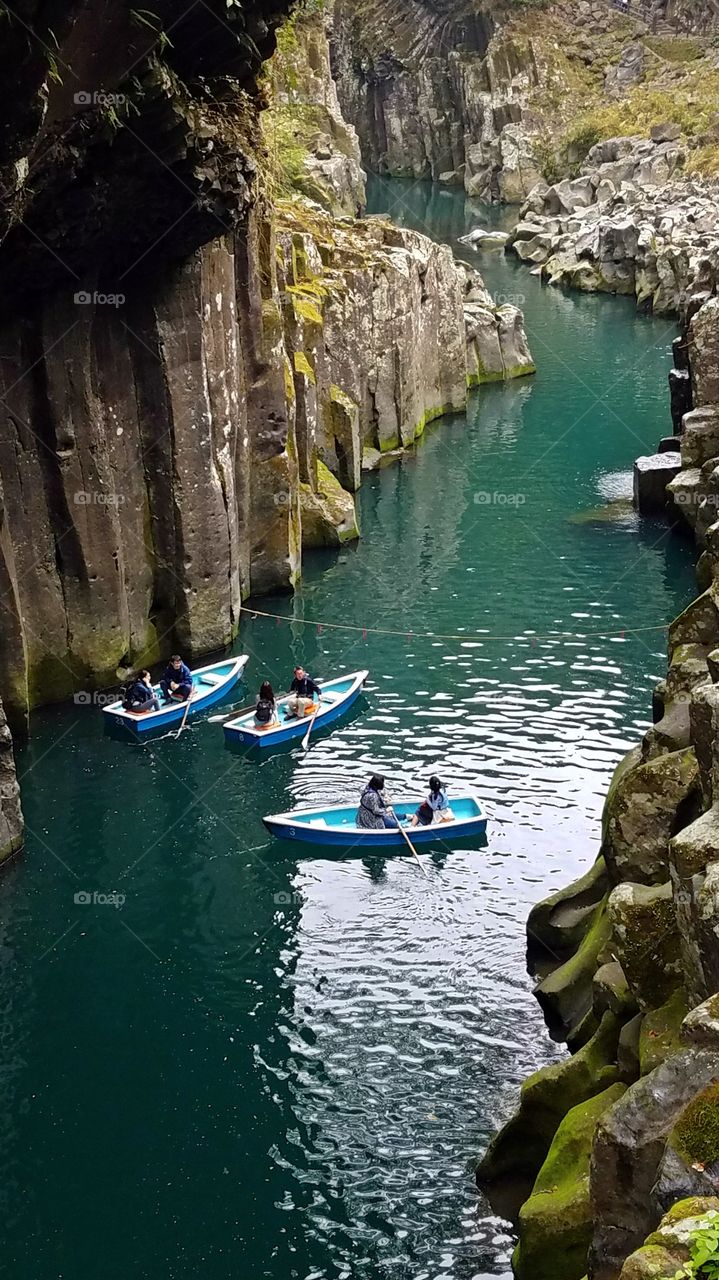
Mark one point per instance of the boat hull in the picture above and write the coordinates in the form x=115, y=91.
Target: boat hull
x=347, y=690
x=225, y=675
x=336, y=827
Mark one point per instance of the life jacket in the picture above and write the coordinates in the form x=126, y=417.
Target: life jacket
x=264, y=711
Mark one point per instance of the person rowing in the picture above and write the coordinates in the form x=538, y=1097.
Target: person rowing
x=140, y=696
x=374, y=811
x=302, y=691
x=266, y=708
x=176, y=683
x=435, y=805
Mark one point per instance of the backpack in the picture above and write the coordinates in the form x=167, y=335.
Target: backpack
x=131, y=700
x=263, y=711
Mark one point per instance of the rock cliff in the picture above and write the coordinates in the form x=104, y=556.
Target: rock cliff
x=186, y=403
x=627, y=959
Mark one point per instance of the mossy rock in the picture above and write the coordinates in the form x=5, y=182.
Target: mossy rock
x=660, y=1035
x=642, y=815
x=514, y=1157
x=645, y=940
x=555, y=1224
x=696, y=1134
x=558, y=924
x=565, y=996
x=666, y=1250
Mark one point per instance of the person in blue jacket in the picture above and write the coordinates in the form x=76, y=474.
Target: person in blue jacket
x=176, y=684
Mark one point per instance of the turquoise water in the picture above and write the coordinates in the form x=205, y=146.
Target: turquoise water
x=259, y=1062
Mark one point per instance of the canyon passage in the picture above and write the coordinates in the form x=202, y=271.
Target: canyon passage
x=309, y=1054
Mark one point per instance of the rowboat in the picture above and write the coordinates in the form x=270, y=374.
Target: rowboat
x=209, y=685
x=337, y=825
x=338, y=696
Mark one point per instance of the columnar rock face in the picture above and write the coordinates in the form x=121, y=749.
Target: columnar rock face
x=649, y=949
x=177, y=429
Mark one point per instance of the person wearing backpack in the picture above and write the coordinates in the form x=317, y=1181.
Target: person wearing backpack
x=266, y=708
x=140, y=695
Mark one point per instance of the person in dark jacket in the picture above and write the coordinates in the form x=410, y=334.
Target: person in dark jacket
x=266, y=707
x=303, y=688
x=176, y=684
x=140, y=695
x=374, y=812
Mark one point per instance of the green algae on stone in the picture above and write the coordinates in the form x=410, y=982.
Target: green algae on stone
x=645, y=939
x=565, y=995
x=555, y=1224
x=660, y=1034
x=557, y=924
x=696, y=1133
x=515, y=1155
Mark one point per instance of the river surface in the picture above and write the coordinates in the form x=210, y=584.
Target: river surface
x=267, y=1063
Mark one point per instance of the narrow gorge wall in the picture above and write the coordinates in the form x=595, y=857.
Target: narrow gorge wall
x=197, y=358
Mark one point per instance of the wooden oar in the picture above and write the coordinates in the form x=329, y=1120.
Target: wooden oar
x=306, y=740
x=414, y=851
x=187, y=708
x=227, y=715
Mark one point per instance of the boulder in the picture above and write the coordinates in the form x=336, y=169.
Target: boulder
x=645, y=940
x=704, y=353
x=701, y=1025
x=328, y=516
x=652, y=474
x=565, y=995
x=665, y=132
x=642, y=813
x=626, y=73
x=660, y=1034
x=699, y=440
x=557, y=925
x=611, y=992
x=628, y=1149
x=666, y=1251
x=690, y=1164
x=555, y=1224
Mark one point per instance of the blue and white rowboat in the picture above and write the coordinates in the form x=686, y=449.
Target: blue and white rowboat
x=209, y=685
x=337, y=825
x=337, y=698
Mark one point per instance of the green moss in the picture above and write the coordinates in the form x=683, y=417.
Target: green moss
x=555, y=1225
x=518, y=1151
x=660, y=1033
x=674, y=48
x=303, y=366
x=304, y=308
x=566, y=994
x=696, y=1133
